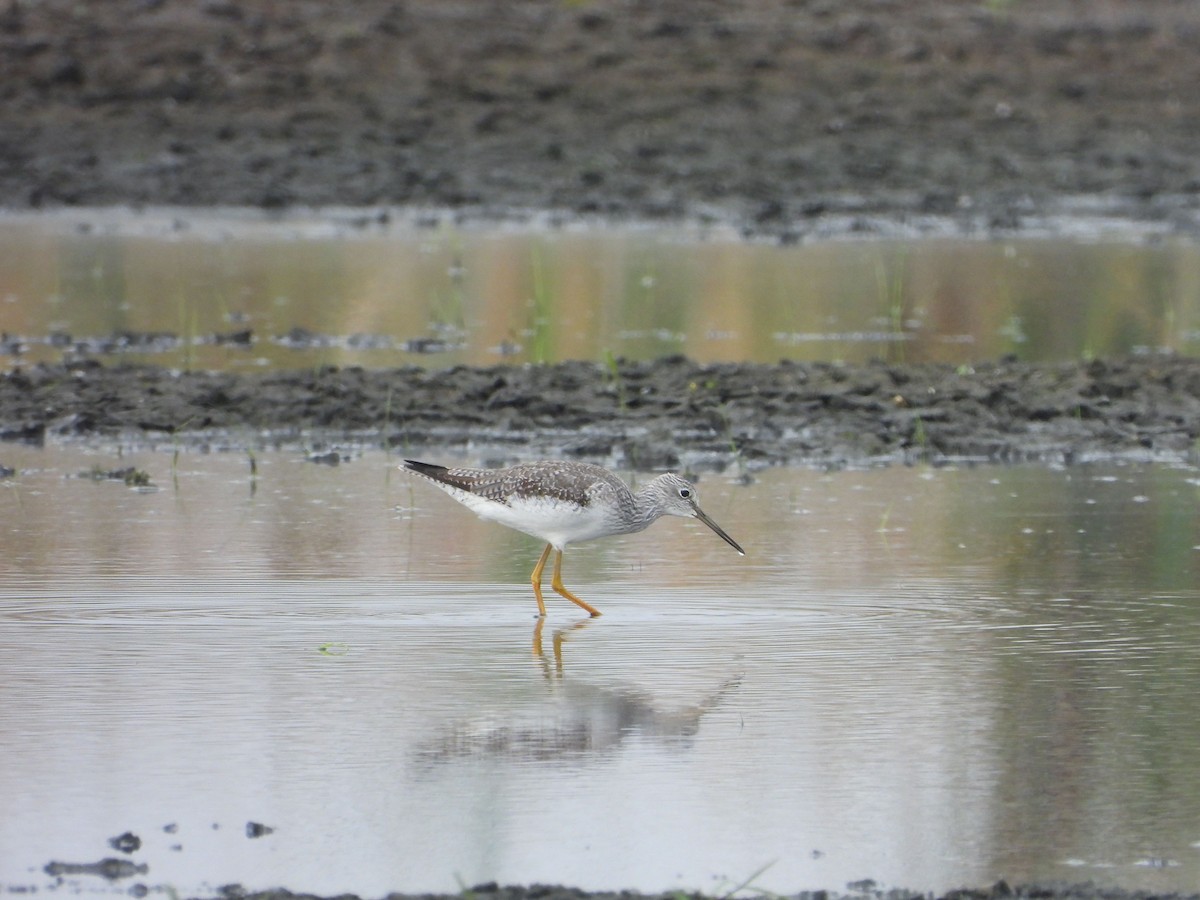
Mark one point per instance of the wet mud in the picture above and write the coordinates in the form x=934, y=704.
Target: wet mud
x=668, y=413
x=115, y=870
x=865, y=891
x=130, y=878
x=788, y=119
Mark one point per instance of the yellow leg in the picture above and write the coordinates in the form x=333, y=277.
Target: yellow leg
x=536, y=578
x=558, y=585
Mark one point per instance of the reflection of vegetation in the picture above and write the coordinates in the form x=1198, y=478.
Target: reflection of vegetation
x=446, y=313
x=1079, y=612
x=734, y=450
x=1044, y=299
x=539, y=320
x=890, y=282
x=1014, y=331
x=387, y=422
x=188, y=329
x=999, y=8
x=1098, y=665
x=614, y=377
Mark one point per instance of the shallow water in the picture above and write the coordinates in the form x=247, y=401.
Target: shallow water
x=231, y=289
x=926, y=677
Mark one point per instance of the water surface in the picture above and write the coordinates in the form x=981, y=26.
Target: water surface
x=234, y=289
x=926, y=677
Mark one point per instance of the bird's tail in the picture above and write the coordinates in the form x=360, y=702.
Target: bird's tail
x=429, y=470
x=462, y=479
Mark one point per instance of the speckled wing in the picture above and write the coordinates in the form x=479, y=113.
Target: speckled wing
x=577, y=484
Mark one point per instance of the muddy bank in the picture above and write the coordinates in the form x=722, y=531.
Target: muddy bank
x=780, y=116
x=791, y=118
x=866, y=890
x=653, y=415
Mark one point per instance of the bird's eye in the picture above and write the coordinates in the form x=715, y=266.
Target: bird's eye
x=685, y=493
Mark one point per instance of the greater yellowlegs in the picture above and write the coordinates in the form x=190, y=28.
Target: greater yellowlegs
x=565, y=502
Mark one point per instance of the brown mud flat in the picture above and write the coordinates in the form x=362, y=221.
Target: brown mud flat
x=865, y=890
x=653, y=415
x=868, y=891
x=785, y=117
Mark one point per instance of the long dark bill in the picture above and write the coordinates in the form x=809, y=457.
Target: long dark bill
x=719, y=530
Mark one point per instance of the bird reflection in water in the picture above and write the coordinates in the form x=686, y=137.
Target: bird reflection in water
x=578, y=720
x=557, y=639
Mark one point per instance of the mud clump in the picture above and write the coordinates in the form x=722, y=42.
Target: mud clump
x=660, y=414
x=999, y=891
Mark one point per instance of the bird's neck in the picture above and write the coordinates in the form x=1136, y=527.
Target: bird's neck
x=646, y=509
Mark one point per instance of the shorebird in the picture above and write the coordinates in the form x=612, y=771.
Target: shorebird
x=563, y=502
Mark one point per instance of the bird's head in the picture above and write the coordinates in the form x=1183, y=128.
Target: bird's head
x=678, y=497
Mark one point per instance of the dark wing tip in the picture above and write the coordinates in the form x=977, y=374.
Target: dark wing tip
x=463, y=479
x=422, y=468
